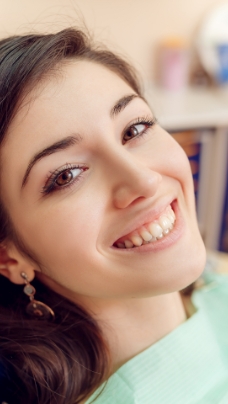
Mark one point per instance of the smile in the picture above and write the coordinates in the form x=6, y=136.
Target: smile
x=150, y=232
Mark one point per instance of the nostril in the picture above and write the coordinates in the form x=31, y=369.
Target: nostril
x=133, y=183
x=135, y=201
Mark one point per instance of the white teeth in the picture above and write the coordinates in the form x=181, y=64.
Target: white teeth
x=136, y=240
x=145, y=234
x=120, y=245
x=155, y=229
x=164, y=222
x=171, y=218
x=128, y=244
x=152, y=232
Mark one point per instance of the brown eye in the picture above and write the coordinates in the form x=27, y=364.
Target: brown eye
x=134, y=130
x=64, y=178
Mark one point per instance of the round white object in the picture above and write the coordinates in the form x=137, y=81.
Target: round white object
x=213, y=32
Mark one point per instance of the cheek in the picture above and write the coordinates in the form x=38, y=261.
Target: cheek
x=61, y=236
x=180, y=169
x=165, y=155
x=178, y=164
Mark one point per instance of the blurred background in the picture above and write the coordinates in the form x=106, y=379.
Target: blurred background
x=180, y=48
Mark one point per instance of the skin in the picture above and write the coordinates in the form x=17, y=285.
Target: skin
x=71, y=230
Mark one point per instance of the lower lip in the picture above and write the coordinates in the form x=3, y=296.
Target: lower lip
x=165, y=242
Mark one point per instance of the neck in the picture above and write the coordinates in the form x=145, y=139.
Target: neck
x=131, y=326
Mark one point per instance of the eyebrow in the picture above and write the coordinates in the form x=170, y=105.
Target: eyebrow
x=55, y=147
x=122, y=103
x=72, y=140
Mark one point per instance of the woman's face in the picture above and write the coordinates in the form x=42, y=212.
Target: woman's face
x=112, y=173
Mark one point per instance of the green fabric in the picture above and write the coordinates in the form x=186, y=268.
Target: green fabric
x=187, y=366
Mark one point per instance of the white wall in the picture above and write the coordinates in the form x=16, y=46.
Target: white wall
x=132, y=27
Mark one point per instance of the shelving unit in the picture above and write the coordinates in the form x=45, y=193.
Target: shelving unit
x=205, y=111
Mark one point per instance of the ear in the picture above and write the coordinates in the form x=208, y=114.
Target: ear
x=12, y=263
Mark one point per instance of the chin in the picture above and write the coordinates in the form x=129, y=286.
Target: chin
x=183, y=271
x=194, y=263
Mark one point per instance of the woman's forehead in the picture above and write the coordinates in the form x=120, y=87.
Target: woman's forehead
x=78, y=99
x=80, y=87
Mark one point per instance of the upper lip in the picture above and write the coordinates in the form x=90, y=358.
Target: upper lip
x=146, y=216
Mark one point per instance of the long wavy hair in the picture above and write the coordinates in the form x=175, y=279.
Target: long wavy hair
x=66, y=360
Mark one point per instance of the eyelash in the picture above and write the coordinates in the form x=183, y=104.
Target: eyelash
x=147, y=121
x=50, y=185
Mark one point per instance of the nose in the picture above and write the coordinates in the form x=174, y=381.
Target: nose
x=132, y=180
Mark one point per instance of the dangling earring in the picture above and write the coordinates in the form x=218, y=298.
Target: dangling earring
x=35, y=308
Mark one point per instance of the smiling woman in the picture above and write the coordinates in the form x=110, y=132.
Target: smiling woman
x=97, y=209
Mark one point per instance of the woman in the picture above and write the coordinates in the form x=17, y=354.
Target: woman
x=97, y=207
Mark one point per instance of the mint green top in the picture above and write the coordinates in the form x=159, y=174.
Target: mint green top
x=187, y=366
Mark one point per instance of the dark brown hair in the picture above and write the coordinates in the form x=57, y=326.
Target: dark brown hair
x=62, y=361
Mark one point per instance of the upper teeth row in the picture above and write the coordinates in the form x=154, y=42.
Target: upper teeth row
x=150, y=232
